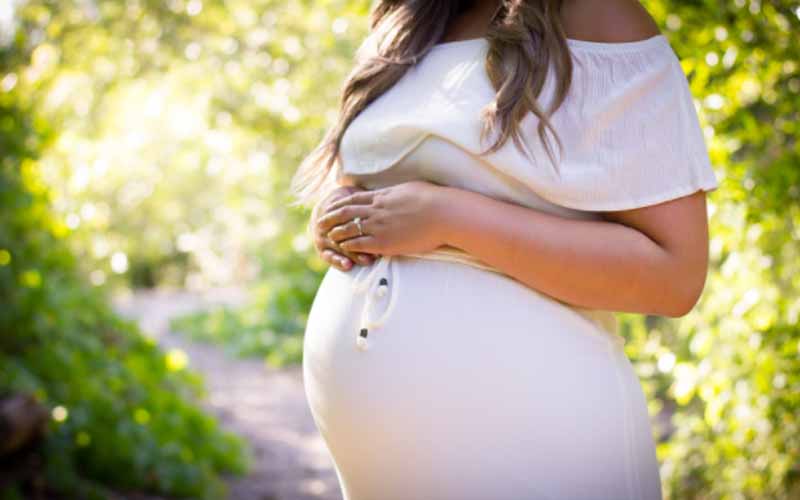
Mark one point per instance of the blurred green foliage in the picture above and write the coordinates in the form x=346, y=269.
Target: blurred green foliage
x=270, y=325
x=124, y=414
x=181, y=123
x=732, y=366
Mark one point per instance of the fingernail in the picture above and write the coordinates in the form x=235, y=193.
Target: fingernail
x=363, y=259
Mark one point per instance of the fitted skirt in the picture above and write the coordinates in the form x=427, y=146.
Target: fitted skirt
x=469, y=385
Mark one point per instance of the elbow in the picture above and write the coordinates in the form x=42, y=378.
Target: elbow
x=679, y=308
x=684, y=298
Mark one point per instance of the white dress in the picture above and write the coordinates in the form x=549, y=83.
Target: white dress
x=468, y=384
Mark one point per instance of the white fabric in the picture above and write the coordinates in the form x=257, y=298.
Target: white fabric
x=475, y=387
x=629, y=128
x=468, y=384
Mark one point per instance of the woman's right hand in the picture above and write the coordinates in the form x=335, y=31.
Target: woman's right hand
x=329, y=250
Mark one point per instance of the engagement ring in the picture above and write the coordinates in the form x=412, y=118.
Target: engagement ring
x=357, y=220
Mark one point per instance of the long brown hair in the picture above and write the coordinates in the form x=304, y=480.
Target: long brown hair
x=526, y=39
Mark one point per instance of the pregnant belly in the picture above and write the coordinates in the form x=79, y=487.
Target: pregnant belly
x=472, y=376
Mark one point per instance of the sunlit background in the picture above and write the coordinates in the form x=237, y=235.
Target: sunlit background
x=149, y=144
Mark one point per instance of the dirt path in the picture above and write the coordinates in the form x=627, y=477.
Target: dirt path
x=264, y=405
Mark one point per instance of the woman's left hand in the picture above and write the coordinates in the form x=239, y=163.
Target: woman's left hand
x=399, y=219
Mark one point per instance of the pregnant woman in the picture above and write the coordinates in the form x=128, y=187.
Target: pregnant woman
x=503, y=177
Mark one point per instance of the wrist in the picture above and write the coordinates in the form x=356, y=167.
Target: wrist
x=447, y=213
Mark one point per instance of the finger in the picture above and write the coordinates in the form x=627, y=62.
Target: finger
x=321, y=242
x=361, y=258
x=359, y=198
x=352, y=257
x=364, y=259
x=337, y=260
x=329, y=245
x=327, y=255
x=357, y=257
x=323, y=206
x=346, y=230
x=366, y=243
x=341, y=215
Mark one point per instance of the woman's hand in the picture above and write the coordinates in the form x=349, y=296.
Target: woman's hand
x=328, y=249
x=400, y=219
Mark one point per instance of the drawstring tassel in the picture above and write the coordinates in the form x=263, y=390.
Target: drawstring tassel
x=360, y=284
x=383, y=287
x=361, y=341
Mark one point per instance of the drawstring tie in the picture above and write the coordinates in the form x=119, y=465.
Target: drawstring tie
x=365, y=280
x=366, y=276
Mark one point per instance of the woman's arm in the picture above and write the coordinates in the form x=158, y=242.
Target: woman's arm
x=650, y=260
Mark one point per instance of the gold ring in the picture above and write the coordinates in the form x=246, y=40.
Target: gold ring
x=357, y=220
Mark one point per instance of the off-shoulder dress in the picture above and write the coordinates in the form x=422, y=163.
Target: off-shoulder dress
x=436, y=376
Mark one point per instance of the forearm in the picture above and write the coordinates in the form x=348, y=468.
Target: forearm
x=592, y=264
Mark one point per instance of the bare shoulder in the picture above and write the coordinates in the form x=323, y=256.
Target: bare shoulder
x=608, y=21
